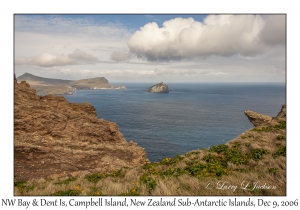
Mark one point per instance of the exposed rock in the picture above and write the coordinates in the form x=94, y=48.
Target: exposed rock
x=282, y=112
x=159, y=88
x=53, y=137
x=258, y=119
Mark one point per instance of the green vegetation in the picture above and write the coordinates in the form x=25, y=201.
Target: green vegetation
x=273, y=170
x=148, y=181
x=280, y=152
x=96, y=177
x=94, y=191
x=185, y=174
x=67, y=181
x=67, y=193
x=280, y=137
x=170, y=161
x=279, y=126
x=192, y=153
x=258, y=154
x=23, y=187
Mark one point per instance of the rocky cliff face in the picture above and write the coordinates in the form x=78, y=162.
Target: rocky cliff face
x=258, y=119
x=53, y=137
x=158, y=88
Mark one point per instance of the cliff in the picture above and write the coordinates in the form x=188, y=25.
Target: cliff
x=45, y=86
x=158, y=88
x=54, y=138
x=252, y=164
x=258, y=119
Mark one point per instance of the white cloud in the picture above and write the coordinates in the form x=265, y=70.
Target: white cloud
x=222, y=48
x=56, y=34
x=82, y=56
x=223, y=35
x=120, y=56
x=48, y=59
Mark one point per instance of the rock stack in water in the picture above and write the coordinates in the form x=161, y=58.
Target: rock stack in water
x=55, y=138
x=158, y=88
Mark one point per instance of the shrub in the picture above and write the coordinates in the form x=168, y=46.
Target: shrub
x=218, y=149
x=272, y=170
x=258, y=154
x=148, y=181
x=280, y=152
x=22, y=187
x=67, y=193
x=96, y=177
x=67, y=181
x=170, y=161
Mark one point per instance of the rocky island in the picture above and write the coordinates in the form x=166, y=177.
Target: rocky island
x=55, y=138
x=45, y=86
x=158, y=88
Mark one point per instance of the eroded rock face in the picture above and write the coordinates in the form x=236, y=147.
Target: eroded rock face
x=53, y=137
x=258, y=119
x=158, y=88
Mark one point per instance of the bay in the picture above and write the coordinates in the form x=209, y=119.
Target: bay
x=191, y=116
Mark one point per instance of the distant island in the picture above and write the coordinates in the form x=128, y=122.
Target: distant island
x=158, y=88
x=45, y=86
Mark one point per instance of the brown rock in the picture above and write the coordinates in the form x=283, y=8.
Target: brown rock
x=59, y=137
x=282, y=112
x=258, y=119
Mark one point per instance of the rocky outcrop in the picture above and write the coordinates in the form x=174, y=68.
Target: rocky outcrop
x=53, y=137
x=158, y=88
x=258, y=119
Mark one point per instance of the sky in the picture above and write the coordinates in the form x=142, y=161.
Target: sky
x=152, y=47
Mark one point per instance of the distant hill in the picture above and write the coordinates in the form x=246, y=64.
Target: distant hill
x=45, y=86
x=43, y=80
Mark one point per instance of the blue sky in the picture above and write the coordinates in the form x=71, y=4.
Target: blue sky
x=152, y=47
x=133, y=21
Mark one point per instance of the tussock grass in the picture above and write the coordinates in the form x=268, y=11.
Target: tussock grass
x=252, y=164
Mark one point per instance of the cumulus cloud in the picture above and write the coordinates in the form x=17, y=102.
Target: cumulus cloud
x=48, y=59
x=120, y=56
x=222, y=35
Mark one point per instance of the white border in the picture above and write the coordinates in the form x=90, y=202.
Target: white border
x=8, y=8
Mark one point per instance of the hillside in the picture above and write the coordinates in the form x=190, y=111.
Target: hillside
x=42, y=80
x=74, y=153
x=54, y=138
x=45, y=86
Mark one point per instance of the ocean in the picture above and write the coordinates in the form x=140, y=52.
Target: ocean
x=191, y=116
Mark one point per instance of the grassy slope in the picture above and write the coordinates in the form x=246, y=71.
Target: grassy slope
x=258, y=155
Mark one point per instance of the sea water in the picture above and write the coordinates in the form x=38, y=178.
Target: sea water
x=190, y=117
